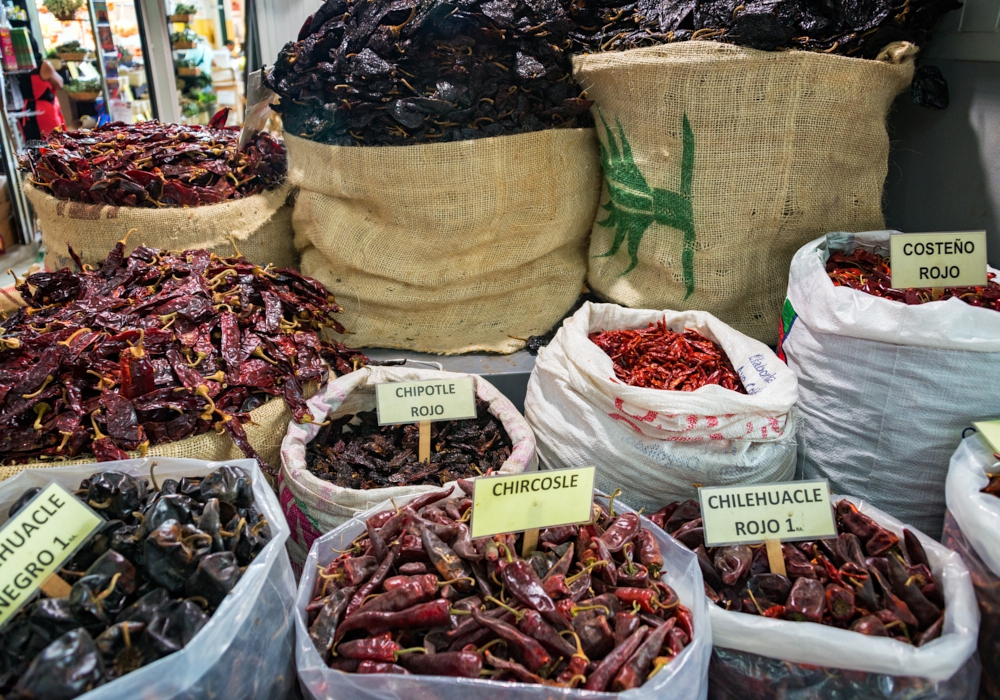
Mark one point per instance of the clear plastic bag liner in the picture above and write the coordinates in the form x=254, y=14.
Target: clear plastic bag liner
x=245, y=649
x=970, y=528
x=683, y=679
x=834, y=648
x=738, y=675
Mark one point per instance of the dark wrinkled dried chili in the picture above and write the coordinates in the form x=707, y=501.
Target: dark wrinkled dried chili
x=150, y=164
x=658, y=358
x=143, y=351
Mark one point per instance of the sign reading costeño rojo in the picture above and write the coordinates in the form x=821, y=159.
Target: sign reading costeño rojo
x=956, y=259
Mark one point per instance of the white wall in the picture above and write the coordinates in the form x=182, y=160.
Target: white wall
x=278, y=22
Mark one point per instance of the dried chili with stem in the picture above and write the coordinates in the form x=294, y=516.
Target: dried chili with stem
x=157, y=347
x=870, y=273
x=151, y=164
x=659, y=358
x=510, y=628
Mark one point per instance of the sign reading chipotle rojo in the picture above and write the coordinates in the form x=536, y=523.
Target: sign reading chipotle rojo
x=531, y=501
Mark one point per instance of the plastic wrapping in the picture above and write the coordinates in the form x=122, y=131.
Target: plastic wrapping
x=653, y=444
x=683, y=679
x=885, y=388
x=245, y=649
x=758, y=657
x=970, y=528
x=314, y=506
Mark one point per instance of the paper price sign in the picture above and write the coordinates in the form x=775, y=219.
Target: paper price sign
x=37, y=541
x=990, y=430
x=432, y=400
x=938, y=259
x=531, y=501
x=796, y=510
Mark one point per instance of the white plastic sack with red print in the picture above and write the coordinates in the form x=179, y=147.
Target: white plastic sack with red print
x=657, y=445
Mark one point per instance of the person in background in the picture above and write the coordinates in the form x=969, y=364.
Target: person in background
x=38, y=88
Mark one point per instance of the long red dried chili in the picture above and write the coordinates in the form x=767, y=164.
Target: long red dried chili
x=870, y=273
x=659, y=358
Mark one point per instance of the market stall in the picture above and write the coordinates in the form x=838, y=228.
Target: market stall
x=511, y=350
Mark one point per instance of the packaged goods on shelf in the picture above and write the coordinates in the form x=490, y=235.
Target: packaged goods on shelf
x=315, y=505
x=659, y=444
x=682, y=667
x=721, y=161
x=897, y=612
x=885, y=388
x=243, y=649
x=139, y=177
x=185, y=354
x=970, y=528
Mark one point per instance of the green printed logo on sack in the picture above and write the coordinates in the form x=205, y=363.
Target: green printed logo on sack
x=634, y=205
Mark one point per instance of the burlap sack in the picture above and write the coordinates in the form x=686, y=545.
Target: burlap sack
x=261, y=227
x=268, y=426
x=314, y=507
x=451, y=247
x=722, y=161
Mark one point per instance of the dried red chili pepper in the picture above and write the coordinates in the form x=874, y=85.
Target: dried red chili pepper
x=613, y=662
x=377, y=648
x=658, y=358
x=151, y=164
x=870, y=273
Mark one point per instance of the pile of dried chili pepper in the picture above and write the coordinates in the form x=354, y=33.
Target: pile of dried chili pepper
x=414, y=594
x=150, y=164
x=157, y=347
x=658, y=358
x=859, y=29
x=865, y=580
x=355, y=452
x=150, y=578
x=380, y=72
x=870, y=273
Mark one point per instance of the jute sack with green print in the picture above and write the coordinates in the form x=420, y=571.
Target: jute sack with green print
x=448, y=247
x=721, y=161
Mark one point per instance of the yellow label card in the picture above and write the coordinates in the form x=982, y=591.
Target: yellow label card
x=955, y=259
x=990, y=430
x=434, y=399
x=37, y=541
x=532, y=500
x=796, y=510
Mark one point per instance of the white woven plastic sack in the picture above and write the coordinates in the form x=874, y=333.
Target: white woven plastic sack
x=686, y=678
x=885, y=389
x=313, y=506
x=245, y=649
x=653, y=444
x=970, y=528
x=833, y=648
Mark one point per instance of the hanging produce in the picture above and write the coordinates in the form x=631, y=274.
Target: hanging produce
x=154, y=165
x=158, y=568
x=861, y=30
x=870, y=273
x=658, y=358
x=355, y=452
x=157, y=347
x=414, y=595
x=379, y=72
x=866, y=580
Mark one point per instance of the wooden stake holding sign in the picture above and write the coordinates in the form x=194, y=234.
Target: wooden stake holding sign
x=768, y=513
x=422, y=402
x=528, y=502
x=35, y=544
